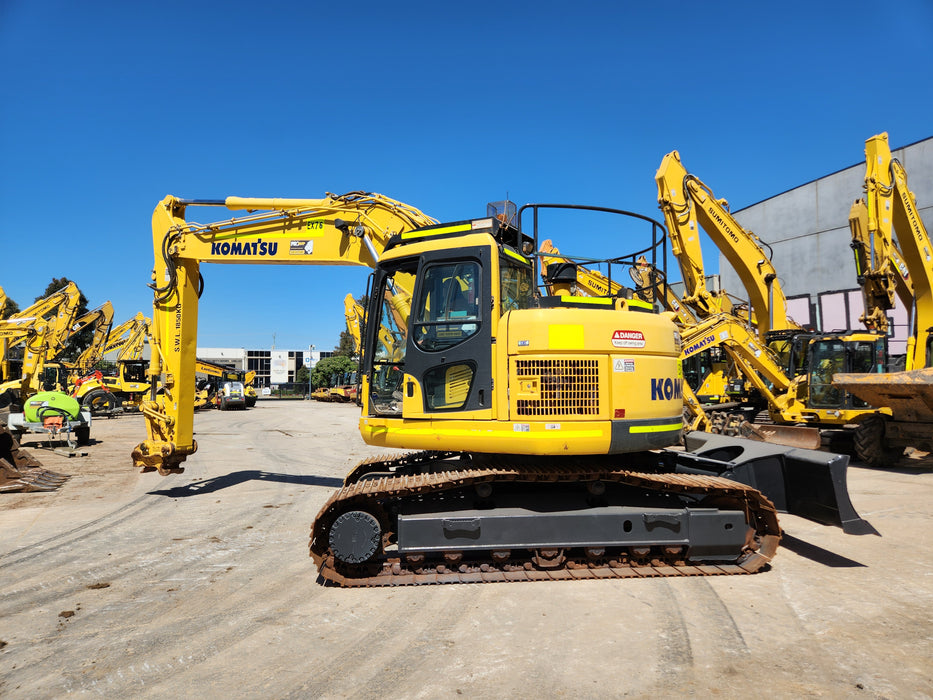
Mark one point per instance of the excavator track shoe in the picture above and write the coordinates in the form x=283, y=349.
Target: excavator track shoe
x=457, y=520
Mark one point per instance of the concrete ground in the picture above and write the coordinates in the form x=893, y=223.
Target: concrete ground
x=133, y=585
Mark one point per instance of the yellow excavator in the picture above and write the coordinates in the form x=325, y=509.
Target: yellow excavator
x=73, y=377
x=34, y=402
x=540, y=422
x=814, y=358
x=124, y=390
x=220, y=374
x=688, y=205
x=880, y=269
x=907, y=419
x=47, y=322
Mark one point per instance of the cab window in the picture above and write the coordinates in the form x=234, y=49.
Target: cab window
x=517, y=285
x=448, y=308
x=389, y=353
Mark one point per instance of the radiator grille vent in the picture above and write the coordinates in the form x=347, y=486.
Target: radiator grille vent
x=567, y=387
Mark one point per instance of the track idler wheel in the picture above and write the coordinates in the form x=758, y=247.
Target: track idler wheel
x=355, y=537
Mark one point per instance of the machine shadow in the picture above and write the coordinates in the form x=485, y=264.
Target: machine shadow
x=902, y=467
x=218, y=483
x=818, y=554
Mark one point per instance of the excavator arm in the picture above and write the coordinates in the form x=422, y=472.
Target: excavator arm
x=101, y=319
x=350, y=229
x=892, y=209
x=354, y=313
x=50, y=320
x=881, y=270
x=688, y=204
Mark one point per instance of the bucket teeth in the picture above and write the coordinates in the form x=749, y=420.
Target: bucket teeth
x=20, y=471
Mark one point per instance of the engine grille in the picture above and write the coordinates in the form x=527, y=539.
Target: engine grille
x=567, y=387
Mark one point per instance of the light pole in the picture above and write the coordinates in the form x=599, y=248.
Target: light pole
x=310, y=361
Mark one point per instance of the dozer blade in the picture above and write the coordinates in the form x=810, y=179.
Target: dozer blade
x=789, y=435
x=909, y=394
x=807, y=483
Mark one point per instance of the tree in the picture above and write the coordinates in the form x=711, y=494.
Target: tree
x=328, y=367
x=347, y=346
x=9, y=308
x=302, y=375
x=78, y=342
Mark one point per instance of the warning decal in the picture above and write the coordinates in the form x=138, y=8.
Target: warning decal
x=628, y=339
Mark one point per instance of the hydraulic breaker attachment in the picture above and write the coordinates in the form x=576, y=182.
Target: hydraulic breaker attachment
x=807, y=483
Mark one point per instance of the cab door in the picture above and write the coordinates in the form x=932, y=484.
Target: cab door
x=448, y=364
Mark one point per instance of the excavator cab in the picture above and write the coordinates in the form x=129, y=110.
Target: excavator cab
x=484, y=363
x=830, y=354
x=442, y=361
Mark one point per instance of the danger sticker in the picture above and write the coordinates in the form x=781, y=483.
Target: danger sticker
x=628, y=339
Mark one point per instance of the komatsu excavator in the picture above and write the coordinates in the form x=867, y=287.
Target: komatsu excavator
x=538, y=419
x=907, y=397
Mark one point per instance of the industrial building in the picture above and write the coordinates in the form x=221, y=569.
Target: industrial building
x=807, y=228
x=272, y=367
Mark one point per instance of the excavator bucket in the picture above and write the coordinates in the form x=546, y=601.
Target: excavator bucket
x=789, y=435
x=807, y=483
x=908, y=394
x=20, y=471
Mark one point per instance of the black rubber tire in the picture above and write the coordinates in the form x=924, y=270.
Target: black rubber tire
x=100, y=402
x=83, y=434
x=223, y=403
x=869, y=443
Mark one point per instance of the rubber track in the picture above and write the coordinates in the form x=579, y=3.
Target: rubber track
x=360, y=494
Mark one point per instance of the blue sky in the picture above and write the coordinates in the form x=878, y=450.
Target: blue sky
x=108, y=106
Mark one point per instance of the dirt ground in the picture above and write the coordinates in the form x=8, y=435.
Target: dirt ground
x=122, y=584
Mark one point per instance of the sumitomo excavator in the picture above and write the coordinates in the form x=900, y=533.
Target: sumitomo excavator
x=540, y=423
x=813, y=358
x=907, y=397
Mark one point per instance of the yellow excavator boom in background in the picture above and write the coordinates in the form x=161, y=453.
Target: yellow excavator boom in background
x=880, y=268
x=52, y=317
x=907, y=420
x=688, y=205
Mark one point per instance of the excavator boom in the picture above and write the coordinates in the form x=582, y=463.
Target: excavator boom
x=880, y=268
x=689, y=205
x=350, y=229
x=907, y=397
